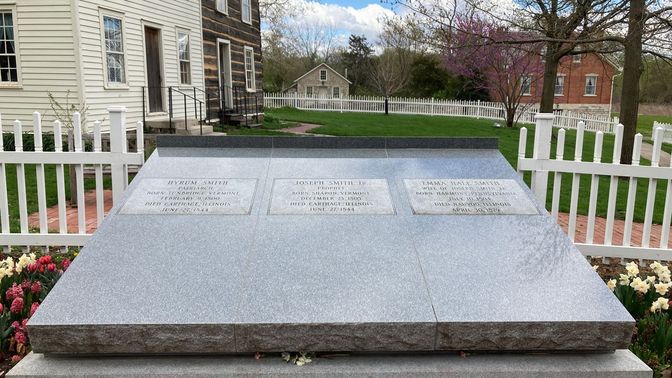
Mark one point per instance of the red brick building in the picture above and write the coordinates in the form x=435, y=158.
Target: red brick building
x=584, y=83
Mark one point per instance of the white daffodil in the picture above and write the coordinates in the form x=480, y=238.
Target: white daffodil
x=640, y=285
x=24, y=261
x=665, y=277
x=650, y=279
x=624, y=279
x=660, y=304
x=656, y=267
x=611, y=284
x=632, y=268
x=662, y=288
x=595, y=267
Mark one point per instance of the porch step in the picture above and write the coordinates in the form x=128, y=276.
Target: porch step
x=162, y=125
x=194, y=130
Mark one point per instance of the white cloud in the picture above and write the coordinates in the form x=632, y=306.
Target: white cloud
x=344, y=20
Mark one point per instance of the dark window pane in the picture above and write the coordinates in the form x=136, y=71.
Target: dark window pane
x=9, y=33
x=4, y=62
x=8, y=19
x=2, y=47
x=4, y=75
x=10, y=47
x=14, y=75
x=12, y=61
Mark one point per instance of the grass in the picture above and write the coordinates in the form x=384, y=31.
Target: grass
x=358, y=124
x=645, y=123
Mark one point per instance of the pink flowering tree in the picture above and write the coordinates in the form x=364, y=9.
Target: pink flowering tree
x=482, y=50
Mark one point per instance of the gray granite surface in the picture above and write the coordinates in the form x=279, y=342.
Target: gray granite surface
x=621, y=364
x=263, y=282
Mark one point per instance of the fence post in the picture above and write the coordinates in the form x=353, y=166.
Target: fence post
x=542, y=151
x=478, y=109
x=432, y=105
x=117, y=141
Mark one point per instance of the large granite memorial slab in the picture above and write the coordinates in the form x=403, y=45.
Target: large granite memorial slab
x=244, y=244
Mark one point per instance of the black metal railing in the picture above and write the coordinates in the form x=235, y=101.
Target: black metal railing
x=205, y=106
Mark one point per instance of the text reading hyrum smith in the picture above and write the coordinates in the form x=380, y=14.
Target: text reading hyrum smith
x=331, y=196
x=192, y=196
x=469, y=197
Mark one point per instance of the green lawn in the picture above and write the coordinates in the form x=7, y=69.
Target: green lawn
x=645, y=123
x=358, y=124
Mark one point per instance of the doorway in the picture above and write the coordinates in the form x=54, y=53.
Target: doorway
x=154, y=69
x=225, y=80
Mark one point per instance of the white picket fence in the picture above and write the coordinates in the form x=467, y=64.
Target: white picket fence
x=433, y=107
x=667, y=130
x=118, y=158
x=541, y=164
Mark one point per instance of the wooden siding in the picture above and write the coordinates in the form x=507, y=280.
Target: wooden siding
x=168, y=16
x=217, y=25
x=47, y=60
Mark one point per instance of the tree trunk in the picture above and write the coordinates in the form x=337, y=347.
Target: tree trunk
x=510, y=116
x=550, y=73
x=632, y=71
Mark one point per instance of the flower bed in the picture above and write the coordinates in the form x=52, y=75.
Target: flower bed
x=24, y=283
x=645, y=295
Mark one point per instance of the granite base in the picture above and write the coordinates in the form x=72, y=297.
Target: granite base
x=620, y=364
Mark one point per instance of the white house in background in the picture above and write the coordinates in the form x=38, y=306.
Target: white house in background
x=98, y=53
x=321, y=82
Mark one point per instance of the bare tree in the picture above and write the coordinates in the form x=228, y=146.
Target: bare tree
x=272, y=8
x=390, y=71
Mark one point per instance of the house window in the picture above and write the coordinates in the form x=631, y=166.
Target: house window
x=576, y=58
x=9, y=71
x=309, y=91
x=591, y=85
x=246, y=10
x=223, y=6
x=114, y=50
x=526, y=86
x=323, y=75
x=336, y=92
x=559, y=85
x=184, y=57
x=249, y=69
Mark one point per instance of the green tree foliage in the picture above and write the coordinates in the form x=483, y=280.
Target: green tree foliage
x=656, y=82
x=429, y=78
x=357, y=60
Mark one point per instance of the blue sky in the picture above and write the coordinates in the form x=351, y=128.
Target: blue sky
x=345, y=17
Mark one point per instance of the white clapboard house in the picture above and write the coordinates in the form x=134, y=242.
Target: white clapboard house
x=100, y=53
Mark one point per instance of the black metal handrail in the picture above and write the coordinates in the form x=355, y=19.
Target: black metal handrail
x=243, y=103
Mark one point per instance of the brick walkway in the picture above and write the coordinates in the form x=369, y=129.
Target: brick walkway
x=301, y=128
x=581, y=223
x=619, y=226
x=71, y=214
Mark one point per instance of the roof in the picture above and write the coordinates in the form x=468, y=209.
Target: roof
x=326, y=66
